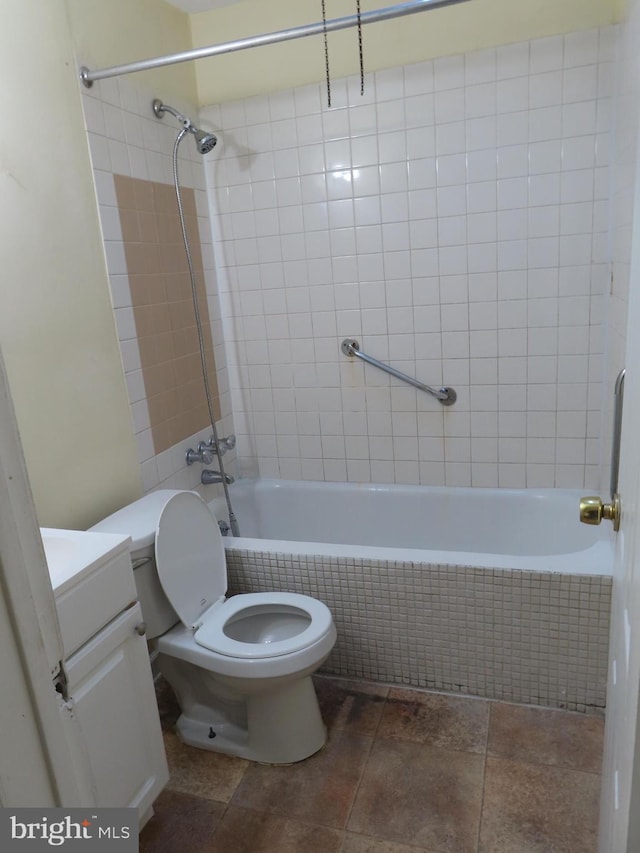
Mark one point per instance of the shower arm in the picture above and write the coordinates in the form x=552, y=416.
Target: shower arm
x=446, y=396
x=159, y=108
x=89, y=76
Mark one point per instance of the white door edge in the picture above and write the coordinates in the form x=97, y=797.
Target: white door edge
x=37, y=756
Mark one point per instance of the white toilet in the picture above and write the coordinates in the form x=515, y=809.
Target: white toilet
x=240, y=667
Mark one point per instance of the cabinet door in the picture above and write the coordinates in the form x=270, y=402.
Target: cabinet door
x=112, y=696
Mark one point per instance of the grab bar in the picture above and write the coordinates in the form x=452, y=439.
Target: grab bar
x=618, y=399
x=446, y=396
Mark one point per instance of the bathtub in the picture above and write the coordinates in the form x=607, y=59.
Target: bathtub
x=491, y=592
x=535, y=529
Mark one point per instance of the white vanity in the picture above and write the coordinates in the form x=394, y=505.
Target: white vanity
x=109, y=697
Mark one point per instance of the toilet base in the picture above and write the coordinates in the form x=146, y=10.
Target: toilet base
x=278, y=726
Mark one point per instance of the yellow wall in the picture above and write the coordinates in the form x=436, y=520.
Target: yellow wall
x=113, y=32
x=57, y=329
x=441, y=32
x=620, y=10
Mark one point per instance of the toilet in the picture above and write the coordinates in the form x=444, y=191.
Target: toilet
x=240, y=667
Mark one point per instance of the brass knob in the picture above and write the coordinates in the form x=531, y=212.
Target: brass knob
x=592, y=511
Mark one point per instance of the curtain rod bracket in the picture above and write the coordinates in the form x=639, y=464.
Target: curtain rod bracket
x=84, y=76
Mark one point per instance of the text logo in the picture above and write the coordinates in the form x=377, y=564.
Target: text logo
x=101, y=829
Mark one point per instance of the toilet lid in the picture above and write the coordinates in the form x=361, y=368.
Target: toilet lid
x=190, y=557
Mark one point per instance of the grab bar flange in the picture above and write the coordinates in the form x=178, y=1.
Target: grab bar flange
x=446, y=396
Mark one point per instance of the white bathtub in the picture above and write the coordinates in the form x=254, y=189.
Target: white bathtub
x=491, y=592
x=531, y=529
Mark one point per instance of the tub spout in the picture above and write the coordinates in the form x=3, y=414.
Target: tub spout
x=208, y=478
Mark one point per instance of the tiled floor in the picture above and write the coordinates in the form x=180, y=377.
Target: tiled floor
x=402, y=771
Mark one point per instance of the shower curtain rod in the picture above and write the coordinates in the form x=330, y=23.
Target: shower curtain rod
x=88, y=76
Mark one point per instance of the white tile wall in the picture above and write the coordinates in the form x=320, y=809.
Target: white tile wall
x=454, y=220
x=126, y=138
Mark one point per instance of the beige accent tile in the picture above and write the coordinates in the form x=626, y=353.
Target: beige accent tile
x=163, y=308
x=129, y=224
x=189, y=204
x=125, y=192
x=157, y=410
x=148, y=227
x=165, y=198
x=148, y=351
x=143, y=193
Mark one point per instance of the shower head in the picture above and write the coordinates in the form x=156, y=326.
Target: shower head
x=205, y=142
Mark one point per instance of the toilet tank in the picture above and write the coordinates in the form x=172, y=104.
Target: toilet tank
x=139, y=521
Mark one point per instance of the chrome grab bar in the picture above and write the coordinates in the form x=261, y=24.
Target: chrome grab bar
x=446, y=396
x=618, y=400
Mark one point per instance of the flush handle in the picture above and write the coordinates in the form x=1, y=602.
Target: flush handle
x=592, y=510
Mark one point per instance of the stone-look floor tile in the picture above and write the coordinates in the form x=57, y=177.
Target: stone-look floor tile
x=355, y=706
x=365, y=844
x=210, y=775
x=420, y=795
x=246, y=831
x=319, y=789
x=543, y=736
x=536, y=809
x=435, y=719
x=180, y=823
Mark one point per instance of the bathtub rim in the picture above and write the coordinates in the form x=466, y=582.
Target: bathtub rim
x=595, y=560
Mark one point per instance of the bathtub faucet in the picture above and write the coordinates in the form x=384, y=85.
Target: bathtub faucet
x=208, y=478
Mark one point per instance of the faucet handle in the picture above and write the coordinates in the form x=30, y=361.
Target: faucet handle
x=203, y=454
x=223, y=444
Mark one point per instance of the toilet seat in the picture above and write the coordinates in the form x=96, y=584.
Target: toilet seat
x=191, y=566
x=213, y=633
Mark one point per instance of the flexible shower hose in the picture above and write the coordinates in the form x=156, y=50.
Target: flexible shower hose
x=194, y=293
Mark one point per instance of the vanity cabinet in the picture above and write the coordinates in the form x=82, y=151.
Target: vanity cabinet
x=109, y=695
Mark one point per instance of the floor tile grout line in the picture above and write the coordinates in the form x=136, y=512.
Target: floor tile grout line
x=366, y=761
x=484, y=774
x=276, y=816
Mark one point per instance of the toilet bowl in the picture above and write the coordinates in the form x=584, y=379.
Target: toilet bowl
x=240, y=667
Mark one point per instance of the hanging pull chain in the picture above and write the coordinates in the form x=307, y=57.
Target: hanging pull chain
x=326, y=49
x=326, y=53
x=360, y=51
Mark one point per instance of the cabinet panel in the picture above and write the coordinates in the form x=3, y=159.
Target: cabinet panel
x=112, y=695
x=94, y=599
